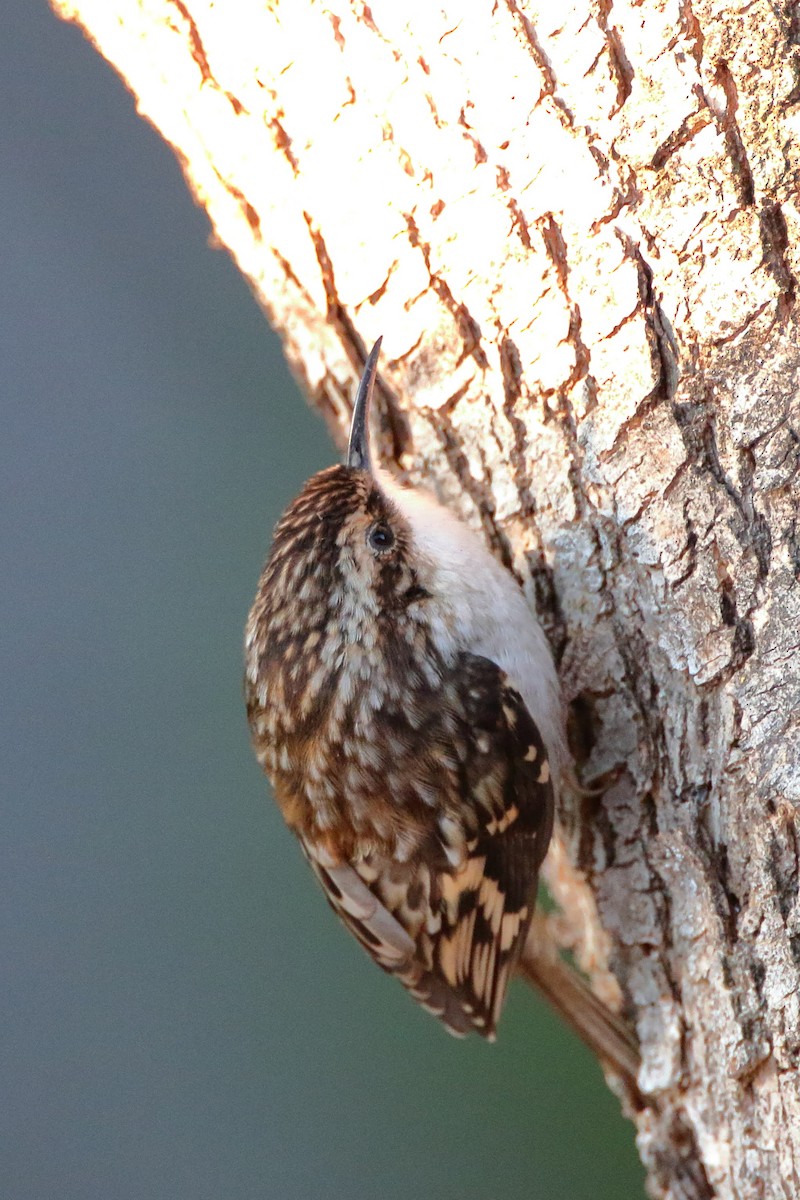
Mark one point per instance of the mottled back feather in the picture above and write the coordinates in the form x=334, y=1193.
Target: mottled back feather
x=450, y=921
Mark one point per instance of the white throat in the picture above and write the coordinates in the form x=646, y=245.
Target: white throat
x=488, y=613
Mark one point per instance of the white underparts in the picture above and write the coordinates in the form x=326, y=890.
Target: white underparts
x=477, y=605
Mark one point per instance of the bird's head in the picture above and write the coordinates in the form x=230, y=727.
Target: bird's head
x=344, y=562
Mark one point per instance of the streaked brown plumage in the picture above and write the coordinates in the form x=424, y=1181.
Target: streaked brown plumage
x=400, y=752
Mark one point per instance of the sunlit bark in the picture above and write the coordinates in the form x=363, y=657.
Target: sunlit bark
x=576, y=226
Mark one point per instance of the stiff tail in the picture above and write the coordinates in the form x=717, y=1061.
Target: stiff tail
x=603, y=1031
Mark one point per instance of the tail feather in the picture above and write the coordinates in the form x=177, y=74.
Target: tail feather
x=604, y=1032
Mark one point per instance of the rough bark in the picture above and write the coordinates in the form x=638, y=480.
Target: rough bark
x=577, y=229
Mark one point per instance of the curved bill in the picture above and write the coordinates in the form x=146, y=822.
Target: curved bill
x=358, y=454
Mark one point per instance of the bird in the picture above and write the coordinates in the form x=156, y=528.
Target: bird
x=403, y=701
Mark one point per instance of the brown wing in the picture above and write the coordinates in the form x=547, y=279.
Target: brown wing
x=451, y=920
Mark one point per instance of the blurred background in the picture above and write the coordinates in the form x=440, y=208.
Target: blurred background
x=182, y=1017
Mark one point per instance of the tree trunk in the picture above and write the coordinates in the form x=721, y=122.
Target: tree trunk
x=577, y=228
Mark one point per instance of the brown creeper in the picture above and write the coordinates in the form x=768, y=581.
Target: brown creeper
x=403, y=701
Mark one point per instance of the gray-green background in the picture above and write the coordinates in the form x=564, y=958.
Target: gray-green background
x=182, y=1017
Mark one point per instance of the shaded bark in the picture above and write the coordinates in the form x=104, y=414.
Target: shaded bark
x=577, y=230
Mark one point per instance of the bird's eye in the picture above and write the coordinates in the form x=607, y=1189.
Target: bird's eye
x=380, y=537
